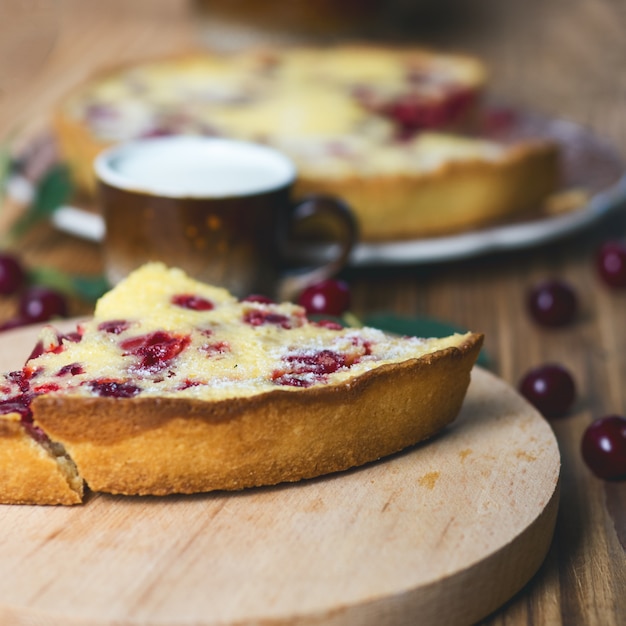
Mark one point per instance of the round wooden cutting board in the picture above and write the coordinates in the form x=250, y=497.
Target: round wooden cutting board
x=443, y=533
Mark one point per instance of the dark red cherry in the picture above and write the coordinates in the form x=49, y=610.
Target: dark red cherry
x=192, y=302
x=604, y=447
x=156, y=349
x=329, y=324
x=322, y=362
x=18, y=404
x=37, y=351
x=257, y=317
x=71, y=369
x=414, y=111
x=550, y=389
x=115, y=327
x=12, y=274
x=216, y=348
x=113, y=388
x=40, y=304
x=552, y=303
x=75, y=336
x=258, y=297
x=328, y=297
x=611, y=263
x=45, y=388
x=21, y=378
x=302, y=370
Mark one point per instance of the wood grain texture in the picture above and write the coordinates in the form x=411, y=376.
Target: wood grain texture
x=561, y=57
x=448, y=530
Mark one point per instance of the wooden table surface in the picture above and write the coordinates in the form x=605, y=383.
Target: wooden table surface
x=563, y=58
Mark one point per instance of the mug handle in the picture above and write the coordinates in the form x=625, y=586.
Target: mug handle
x=313, y=218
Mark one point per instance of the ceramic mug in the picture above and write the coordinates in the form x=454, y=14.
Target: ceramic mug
x=220, y=209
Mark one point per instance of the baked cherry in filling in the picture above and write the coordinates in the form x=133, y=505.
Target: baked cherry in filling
x=115, y=327
x=21, y=378
x=257, y=297
x=54, y=344
x=45, y=388
x=216, y=348
x=19, y=404
x=329, y=324
x=417, y=110
x=260, y=317
x=73, y=369
x=113, y=388
x=302, y=370
x=192, y=302
x=155, y=349
x=413, y=112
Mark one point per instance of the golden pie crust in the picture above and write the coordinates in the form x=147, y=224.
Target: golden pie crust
x=216, y=412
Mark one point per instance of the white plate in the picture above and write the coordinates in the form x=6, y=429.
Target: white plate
x=589, y=162
x=507, y=237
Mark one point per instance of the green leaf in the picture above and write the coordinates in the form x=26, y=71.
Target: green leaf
x=417, y=327
x=51, y=277
x=88, y=288
x=53, y=190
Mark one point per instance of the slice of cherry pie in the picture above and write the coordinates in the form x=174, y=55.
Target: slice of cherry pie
x=178, y=387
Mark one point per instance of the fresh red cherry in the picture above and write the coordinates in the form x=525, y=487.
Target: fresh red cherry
x=611, y=263
x=604, y=447
x=552, y=303
x=328, y=297
x=12, y=274
x=550, y=388
x=40, y=304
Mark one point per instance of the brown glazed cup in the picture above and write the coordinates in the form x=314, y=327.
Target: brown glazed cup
x=221, y=210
